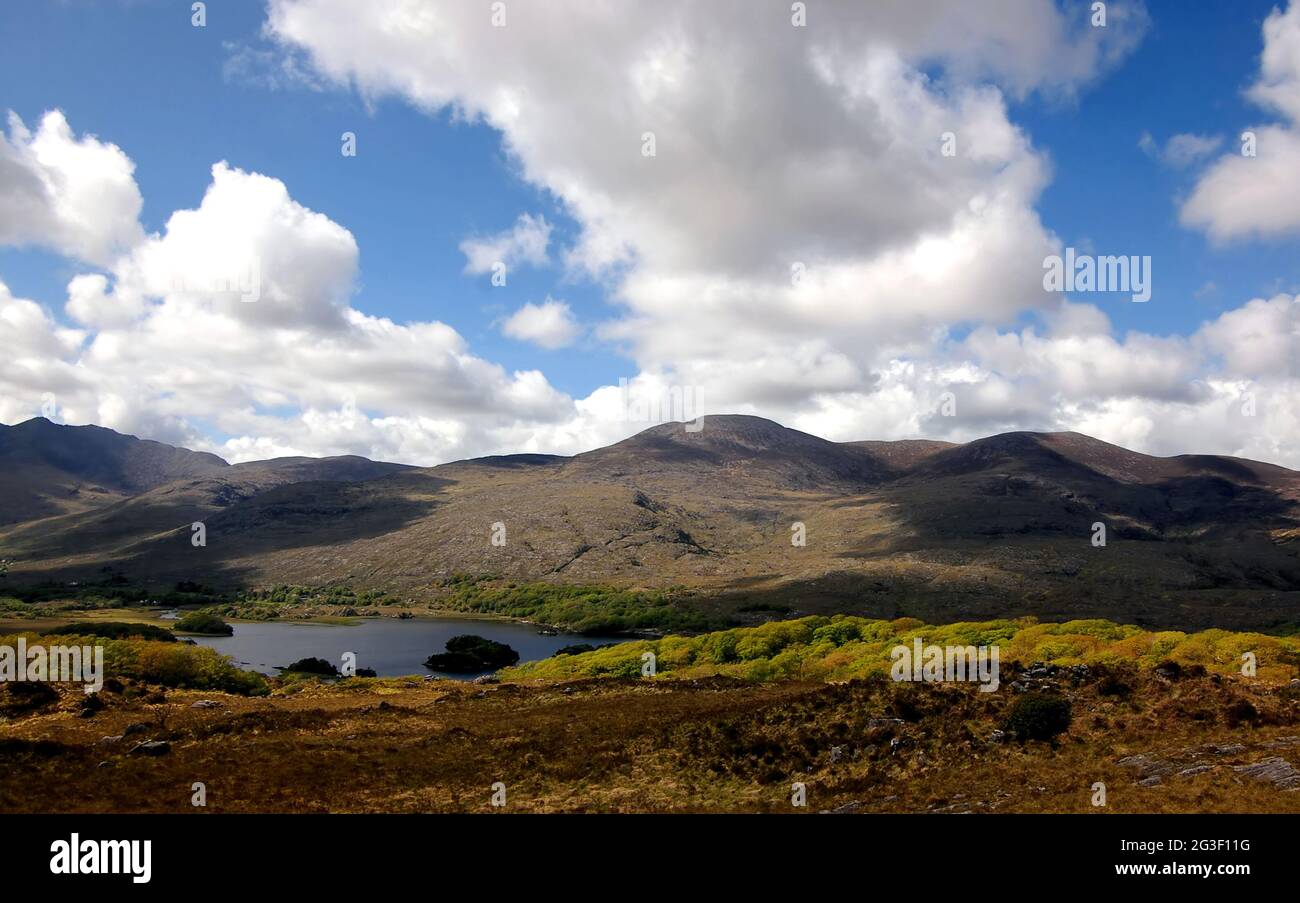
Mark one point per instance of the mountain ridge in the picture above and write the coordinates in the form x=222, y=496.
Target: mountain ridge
x=998, y=525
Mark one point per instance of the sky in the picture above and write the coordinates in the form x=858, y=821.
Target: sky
x=423, y=230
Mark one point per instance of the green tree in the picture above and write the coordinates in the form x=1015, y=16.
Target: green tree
x=205, y=623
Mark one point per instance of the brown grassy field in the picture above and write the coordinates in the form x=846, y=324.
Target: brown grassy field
x=664, y=745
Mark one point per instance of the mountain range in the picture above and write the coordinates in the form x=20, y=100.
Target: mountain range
x=999, y=526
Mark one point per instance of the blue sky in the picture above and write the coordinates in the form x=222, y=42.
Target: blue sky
x=175, y=100
x=1188, y=76
x=419, y=184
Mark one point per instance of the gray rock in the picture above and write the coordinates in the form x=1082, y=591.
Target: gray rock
x=846, y=809
x=883, y=722
x=486, y=679
x=1152, y=781
x=1275, y=770
x=1147, y=766
x=205, y=704
x=152, y=748
x=1195, y=769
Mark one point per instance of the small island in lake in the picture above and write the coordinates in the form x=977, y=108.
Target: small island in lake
x=467, y=654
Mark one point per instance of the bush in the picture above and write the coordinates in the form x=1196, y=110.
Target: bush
x=575, y=649
x=23, y=696
x=1116, y=682
x=205, y=623
x=179, y=665
x=313, y=666
x=114, y=630
x=1039, y=716
x=468, y=653
x=1241, y=712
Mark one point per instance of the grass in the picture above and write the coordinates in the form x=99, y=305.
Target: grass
x=733, y=720
x=623, y=745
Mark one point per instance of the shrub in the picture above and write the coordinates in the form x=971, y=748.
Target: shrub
x=114, y=630
x=313, y=666
x=1038, y=716
x=181, y=665
x=23, y=696
x=575, y=649
x=468, y=653
x=1239, y=712
x=1116, y=680
x=205, y=623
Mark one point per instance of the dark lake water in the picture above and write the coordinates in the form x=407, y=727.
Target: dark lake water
x=391, y=647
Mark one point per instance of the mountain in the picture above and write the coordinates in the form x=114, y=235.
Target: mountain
x=995, y=527
x=47, y=469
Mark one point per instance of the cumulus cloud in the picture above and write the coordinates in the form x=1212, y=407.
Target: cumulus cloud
x=799, y=246
x=550, y=324
x=232, y=330
x=524, y=243
x=800, y=224
x=1242, y=196
x=76, y=196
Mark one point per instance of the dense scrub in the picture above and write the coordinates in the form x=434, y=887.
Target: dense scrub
x=168, y=664
x=204, y=622
x=844, y=647
x=114, y=630
x=582, y=609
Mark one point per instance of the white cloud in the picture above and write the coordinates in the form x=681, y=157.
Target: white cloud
x=75, y=196
x=261, y=67
x=172, y=352
x=550, y=324
x=1181, y=150
x=799, y=247
x=1244, y=196
x=1259, y=340
x=524, y=243
x=1279, y=69
x=778, y=151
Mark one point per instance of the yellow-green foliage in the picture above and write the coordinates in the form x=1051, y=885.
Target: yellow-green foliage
x=843, y=647
x=169, y=664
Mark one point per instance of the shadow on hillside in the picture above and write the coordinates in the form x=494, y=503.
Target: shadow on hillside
x=297, y=516
x=987, y=506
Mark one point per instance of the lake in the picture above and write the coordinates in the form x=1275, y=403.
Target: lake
x=392, y=647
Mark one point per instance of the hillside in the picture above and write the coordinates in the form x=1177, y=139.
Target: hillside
x=730, y=724
x=1000, y=526
x=48, y=469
